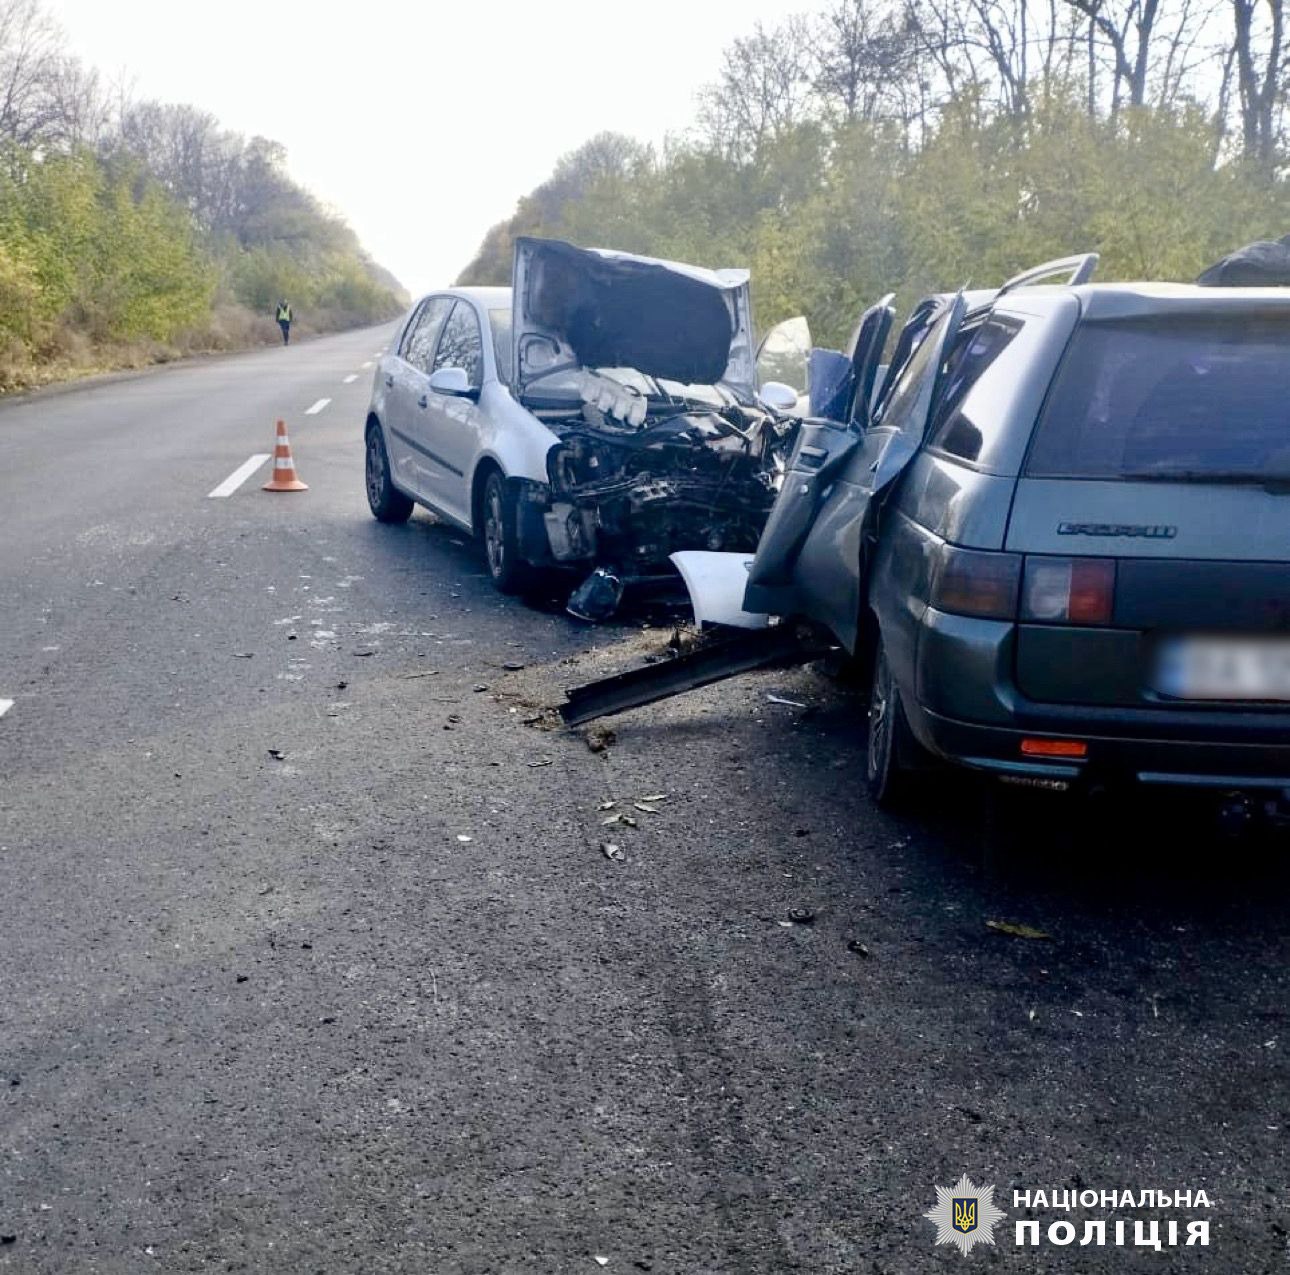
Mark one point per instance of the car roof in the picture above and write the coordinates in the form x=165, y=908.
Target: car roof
x=488, y=298
x=1110, y=301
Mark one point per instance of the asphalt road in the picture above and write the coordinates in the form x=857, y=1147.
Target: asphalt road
x=381, y=1003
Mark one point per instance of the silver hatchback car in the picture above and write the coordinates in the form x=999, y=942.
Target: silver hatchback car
x=1059, y=533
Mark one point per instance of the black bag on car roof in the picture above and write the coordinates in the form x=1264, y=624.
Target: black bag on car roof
x=1265, y=264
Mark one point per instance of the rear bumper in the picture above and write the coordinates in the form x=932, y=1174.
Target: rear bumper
x=1111, y=758
x=965, y=707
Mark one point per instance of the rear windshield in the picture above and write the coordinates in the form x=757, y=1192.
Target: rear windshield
x=1193, y=399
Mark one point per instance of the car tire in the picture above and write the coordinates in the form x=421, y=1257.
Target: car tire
x=387, y=502
x=499, y=530
x=893, y=750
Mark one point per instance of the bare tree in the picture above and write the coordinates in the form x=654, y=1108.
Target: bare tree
x=1258, y=51
x=763, y=89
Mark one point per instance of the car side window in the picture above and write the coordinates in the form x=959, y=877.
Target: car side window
x=461, y=344
x=423, y=332
x=954, y=430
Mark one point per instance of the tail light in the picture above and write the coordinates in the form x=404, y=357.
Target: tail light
x=975, y=582
x=1068, y=590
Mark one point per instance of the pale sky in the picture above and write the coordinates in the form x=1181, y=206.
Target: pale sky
x=421, y=123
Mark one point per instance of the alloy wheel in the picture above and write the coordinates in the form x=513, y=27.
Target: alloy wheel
x=494, y=535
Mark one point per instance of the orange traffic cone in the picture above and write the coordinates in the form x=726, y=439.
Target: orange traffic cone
x=284, y=468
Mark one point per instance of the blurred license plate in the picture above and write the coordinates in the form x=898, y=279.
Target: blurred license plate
x=1224, y=668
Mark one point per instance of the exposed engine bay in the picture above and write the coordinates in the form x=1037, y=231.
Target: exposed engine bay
x=634, y=479
x=644, y=371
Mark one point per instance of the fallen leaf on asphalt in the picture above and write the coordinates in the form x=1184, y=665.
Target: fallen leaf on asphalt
x=858, y=948
x=512, y=666
x=465, y=840
x=537, y=765
x=607, y=805
x=340, y=686
x=433, y=672
x=362, y=655
x=243, y=655
x=658, y=796
x=1016, y=930
x=479, y=689
x=601, y=1261
x=619, y=818
x=277, y=754
x=649, y=810
x=779, y=699
x=611, y=851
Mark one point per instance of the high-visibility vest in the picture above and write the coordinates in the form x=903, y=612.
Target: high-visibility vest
x=284, y=314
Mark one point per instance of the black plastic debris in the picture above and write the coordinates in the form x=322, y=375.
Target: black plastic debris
x=596, y=598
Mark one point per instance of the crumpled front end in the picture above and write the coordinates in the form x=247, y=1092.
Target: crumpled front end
x=631, y=485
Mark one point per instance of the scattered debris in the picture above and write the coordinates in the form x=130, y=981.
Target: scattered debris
x=647, y=809
x=607, y=805
x=513, y=666
x=801, y=916
x=612, y=851
x=1016, y=930
x=363, y=653
x=432, y=672
x=241, y=978
x=342, y=685
x=600, y=1261
x=779, y=699
x=479, y=689
x=537, y=765
x=860, y=949
x=628, y=820
x=599, y=738
x=243, y=655
x=465, y=840
x=658, y=796
x=277, y=754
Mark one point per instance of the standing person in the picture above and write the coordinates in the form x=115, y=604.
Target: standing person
x=284, y=320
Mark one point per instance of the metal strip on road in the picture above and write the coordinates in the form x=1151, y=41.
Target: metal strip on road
x=317, y=407
x=5, y=706
x=238, y=476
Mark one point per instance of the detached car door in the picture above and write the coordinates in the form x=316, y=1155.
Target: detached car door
x=836, y=486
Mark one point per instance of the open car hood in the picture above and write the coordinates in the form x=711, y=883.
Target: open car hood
x=592, y=308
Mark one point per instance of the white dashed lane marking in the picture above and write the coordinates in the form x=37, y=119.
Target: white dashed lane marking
x=238, y=476
x=317, y=407
x=5, y=706
x=349, y=380
x=367, y=365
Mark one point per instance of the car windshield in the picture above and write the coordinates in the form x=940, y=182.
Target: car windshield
x=1198, y=400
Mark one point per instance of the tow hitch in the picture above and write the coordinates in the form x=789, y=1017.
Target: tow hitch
x=781, y=646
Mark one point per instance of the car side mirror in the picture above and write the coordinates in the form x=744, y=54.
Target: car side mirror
x=454, y=382
x=778, y=396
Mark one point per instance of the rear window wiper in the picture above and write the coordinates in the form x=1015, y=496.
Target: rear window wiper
x=1217, y=477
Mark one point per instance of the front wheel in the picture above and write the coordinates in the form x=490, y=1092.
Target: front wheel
x=893, y=749
x=387, y=503
x=500, y=532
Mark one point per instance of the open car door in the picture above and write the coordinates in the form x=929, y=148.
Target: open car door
x=812, y=554
x=823, y=447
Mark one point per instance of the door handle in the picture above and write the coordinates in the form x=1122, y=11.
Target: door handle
x=423, y=401
x=389, y=382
